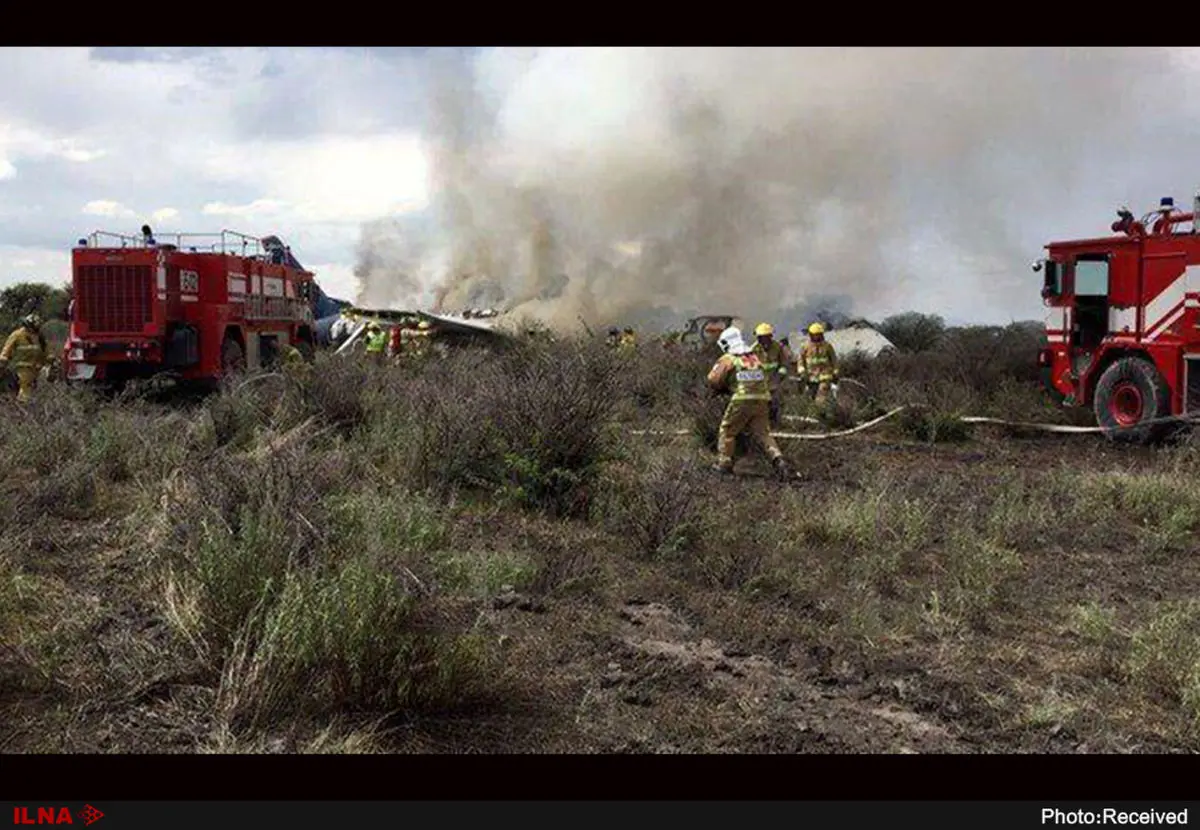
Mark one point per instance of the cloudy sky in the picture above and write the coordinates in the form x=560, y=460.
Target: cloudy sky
x=311, y=144
x=305, y=143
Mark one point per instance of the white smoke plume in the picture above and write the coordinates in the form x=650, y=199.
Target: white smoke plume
x=611, y=184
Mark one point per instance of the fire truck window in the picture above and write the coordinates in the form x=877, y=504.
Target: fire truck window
x=1091, y=278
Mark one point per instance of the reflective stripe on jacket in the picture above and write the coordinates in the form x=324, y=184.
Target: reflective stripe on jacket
x=749, y=379
x=819, y=360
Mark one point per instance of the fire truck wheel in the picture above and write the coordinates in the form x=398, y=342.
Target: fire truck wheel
x=1130, y=392
x=233, y=359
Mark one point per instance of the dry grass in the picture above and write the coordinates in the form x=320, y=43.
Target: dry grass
x=446, y=557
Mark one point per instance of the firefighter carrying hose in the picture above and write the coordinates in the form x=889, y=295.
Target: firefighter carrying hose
x=25, y=351
x=818, y=364
x=775, y=357
x=741, y=371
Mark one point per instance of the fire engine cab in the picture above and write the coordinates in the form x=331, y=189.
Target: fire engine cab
x=1123, y=321
x=198, y=307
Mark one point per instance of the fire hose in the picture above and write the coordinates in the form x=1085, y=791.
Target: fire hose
x=969, y=419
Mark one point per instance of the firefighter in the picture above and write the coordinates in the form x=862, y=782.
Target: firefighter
x=396, y=341
x=739, y=370
x=628, y=339
x=291, y=356
x=614, y=337
x=376, y=341
x=25, y=351
x=818, y=364
x=292, y=362
x=419, y=341
x=775, y=357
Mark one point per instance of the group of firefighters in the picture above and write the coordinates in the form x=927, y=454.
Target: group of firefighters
x=403, y=340
x=752, y=374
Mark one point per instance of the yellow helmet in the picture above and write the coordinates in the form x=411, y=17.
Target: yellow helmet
x=763, y=329
x=423, y=325
x=373, y=326
x=816, y=328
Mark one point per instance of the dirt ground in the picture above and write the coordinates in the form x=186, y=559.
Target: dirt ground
x=657, y=666
x=650, y=662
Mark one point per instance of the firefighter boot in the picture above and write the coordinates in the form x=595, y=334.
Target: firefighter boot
x=782, y=468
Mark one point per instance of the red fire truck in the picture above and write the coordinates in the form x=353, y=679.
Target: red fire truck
x=1123, y=321
x=197, y=307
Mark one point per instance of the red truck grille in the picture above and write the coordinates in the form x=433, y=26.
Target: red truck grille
x=115, y=299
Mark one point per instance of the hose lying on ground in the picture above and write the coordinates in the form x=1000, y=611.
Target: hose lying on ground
x=971, y=419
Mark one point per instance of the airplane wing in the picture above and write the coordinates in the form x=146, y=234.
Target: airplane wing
x=462, y=325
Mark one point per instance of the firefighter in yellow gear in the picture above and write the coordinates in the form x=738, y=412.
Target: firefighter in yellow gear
x=376, y=342
x=291, y=355
x=292, y=362
x=422, y=341
x=740, y=371
x=775, y=358
x=26, y=352
x=818, y=364
x=628, y=340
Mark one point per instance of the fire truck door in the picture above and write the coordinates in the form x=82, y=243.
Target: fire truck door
x=1089, y=317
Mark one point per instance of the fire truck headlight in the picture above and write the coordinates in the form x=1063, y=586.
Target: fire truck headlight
x=76, y=353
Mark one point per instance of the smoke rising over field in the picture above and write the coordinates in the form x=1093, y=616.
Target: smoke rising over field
x=606, y=183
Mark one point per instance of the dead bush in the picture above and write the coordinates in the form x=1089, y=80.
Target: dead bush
x=657, y=505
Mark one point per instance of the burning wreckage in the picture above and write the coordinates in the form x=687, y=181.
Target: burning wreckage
x=473, y=328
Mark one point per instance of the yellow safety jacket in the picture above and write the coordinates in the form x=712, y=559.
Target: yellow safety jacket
x=819, y=360
x=773, y=361
x=749, y=378
x=23, y=350
x=376, y=341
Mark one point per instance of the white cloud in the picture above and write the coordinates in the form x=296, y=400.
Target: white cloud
x=106, y=207
x=340, y=180
x=21, y=264
x=336, y=279
x=258, y=207
x=164, y=214
x=19, y=142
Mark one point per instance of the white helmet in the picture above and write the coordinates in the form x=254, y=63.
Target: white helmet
x=731, y=341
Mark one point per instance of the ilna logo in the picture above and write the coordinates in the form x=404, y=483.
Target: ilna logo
x=55, y=815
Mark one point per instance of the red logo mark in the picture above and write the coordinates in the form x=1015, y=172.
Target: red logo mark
x=55, y=815
x=42, y=815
